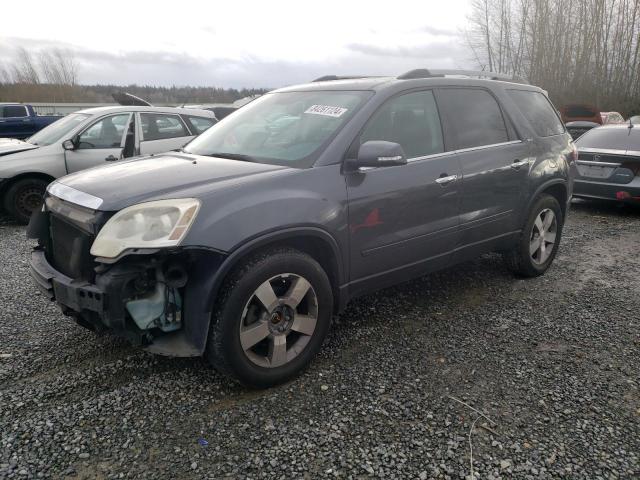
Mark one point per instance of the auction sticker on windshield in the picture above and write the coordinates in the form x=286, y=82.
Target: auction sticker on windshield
x=326, y=110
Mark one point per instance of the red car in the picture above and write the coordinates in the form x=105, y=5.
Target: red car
x=580, y=119
x=582, y=113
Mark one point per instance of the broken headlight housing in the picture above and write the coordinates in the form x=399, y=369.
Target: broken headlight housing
x=157, y=224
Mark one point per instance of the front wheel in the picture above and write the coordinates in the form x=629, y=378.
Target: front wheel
x=23, y=197
x=271, y=319
x=539, y=240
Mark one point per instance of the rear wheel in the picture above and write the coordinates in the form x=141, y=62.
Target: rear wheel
x=271, y=319
x=539, y=239
x=23, y=197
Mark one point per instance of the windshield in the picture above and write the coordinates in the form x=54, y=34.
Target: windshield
x=611, y=139
x=57, y=130
x=280, y=128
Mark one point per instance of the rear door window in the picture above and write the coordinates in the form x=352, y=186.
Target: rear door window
x=160, y=126
x=474, y=117
x=199, y=124
x=538, y=110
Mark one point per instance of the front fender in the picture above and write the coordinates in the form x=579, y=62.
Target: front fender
x=209, y=270
x=305, y=204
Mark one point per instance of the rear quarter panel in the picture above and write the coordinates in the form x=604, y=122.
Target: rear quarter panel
x=549, y=157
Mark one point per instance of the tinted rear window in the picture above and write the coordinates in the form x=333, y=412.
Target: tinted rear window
x=537, y=109
x=476, y=117
x=611, y=138
x=579, y=111
x=15, y=111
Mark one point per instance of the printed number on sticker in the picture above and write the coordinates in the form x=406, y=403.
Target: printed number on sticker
x=326, y=110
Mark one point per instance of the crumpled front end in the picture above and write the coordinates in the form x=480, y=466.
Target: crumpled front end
x=159, y=299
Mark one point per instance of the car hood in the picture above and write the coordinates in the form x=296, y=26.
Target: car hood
x=163, y=176
x=11, y=145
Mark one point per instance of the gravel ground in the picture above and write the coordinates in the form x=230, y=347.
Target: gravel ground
x=552, y=362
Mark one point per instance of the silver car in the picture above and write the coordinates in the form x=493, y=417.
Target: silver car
x=86, y=139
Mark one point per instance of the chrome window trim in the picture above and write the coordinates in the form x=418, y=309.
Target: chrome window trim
x=483, y=147
x=72, y=195
x=454, y=152
x=430, y=156
x=597, y=164
x=604, y=151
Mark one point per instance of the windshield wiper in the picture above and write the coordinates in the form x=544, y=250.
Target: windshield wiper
x=233, y=156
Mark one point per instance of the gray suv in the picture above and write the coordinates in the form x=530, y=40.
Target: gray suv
x=243, y=245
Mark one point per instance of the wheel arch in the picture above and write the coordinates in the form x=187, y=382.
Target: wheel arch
x=557, y=188
x=315, y=242
x=9, y=182
x=21, y=176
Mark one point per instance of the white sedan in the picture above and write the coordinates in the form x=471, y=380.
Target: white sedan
x=86, y=139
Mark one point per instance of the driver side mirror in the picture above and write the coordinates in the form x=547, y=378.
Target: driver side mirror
x=68, y=145
x=378, y=153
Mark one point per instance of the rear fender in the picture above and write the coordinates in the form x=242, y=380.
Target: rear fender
x=549, y=184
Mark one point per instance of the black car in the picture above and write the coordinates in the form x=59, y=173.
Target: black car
x=242, y=246
x=579, y=128
x=609, y=163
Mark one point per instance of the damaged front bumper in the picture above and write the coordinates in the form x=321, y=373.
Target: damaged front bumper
x=129, y=289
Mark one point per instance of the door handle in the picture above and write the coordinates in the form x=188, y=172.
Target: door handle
x=111, y=158
x=518, y=163
x=445, y=179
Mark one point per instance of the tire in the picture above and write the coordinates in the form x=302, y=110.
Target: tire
x=240, y=312
x=23, y=197
x=522, y=260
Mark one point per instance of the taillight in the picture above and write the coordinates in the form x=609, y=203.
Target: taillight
x=633, y=166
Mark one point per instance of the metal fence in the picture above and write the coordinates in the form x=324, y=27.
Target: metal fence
x=67, y=108
x=64, y=108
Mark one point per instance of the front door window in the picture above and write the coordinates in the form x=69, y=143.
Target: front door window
x=107, y=132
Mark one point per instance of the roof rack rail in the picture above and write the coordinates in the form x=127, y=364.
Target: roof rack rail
x=425, y=73
x=328, y=78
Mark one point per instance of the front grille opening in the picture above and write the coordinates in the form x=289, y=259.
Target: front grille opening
x=70, y=249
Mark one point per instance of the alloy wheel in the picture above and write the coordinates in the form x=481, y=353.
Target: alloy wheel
x=279, y=320
x=543, y=236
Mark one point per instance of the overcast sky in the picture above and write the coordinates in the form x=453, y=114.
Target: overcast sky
x=239, y=43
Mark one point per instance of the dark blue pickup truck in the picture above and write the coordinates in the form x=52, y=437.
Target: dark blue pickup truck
x=20, y=121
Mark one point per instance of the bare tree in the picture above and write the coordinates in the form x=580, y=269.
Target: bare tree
x=586, y=51
x=5, y=75
x=24, y=68
x=59, y=67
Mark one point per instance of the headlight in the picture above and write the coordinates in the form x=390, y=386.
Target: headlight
x=162, y=223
